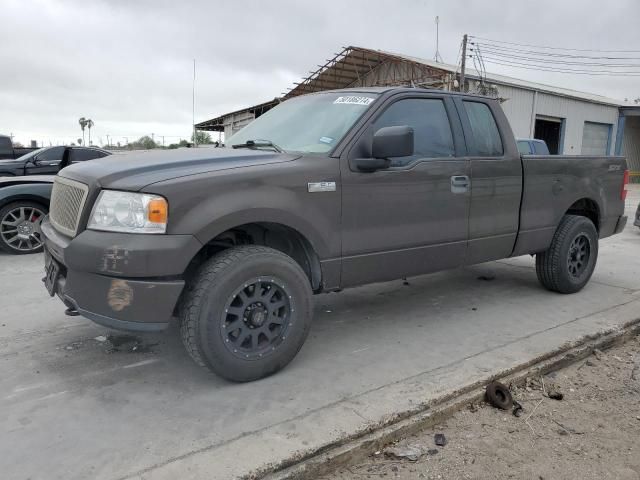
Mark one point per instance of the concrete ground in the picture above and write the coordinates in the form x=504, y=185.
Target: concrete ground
x=74, y=405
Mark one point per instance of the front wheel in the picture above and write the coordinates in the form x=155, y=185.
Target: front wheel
x=246, y=313
x=20, y=227
x=568, y=264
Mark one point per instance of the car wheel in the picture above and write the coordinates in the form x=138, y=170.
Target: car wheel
x=568, y=264
x=20, y=227
x=246, y=313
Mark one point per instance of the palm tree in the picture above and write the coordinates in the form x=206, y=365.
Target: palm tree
x=89, y=125
x=83, y=123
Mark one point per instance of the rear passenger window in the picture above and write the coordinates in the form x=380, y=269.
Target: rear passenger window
x=429, y=120
x=486, y=136
x=5, y=145
x=81, y=155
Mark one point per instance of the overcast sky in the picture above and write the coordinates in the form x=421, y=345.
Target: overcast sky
x=127, y=65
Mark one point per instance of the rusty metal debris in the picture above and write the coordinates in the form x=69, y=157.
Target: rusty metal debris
x=440, y=439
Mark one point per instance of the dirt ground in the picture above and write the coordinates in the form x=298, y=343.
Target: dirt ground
x=592, y=433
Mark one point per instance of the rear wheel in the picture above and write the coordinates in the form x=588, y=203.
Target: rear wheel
x=568, y=264
x=20, y=227
x=246, y=313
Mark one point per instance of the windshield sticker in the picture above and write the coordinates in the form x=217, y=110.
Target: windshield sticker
x=326, y=139
x=354, y=100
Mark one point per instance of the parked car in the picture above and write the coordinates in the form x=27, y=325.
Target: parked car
x=24, y=201
x=9, y=151
x=47, y=161
x=325, y=191
x=532, y=146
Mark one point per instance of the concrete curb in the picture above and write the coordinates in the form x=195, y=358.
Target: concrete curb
x=357, y=448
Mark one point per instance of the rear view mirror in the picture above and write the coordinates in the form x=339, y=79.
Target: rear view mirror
x=389, y=142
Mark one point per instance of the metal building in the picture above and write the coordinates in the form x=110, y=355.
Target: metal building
x=571, y=122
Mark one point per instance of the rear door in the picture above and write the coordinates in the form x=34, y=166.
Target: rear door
x=408, y=219
x=496, y=180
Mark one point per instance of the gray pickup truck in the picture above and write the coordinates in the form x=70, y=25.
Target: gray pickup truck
x=324, y=192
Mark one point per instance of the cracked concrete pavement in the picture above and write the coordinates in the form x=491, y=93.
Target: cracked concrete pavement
x=72, y=407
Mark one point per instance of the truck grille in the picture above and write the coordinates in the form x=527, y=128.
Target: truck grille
x=67, y=201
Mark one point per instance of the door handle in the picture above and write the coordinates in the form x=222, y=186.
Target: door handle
x=460, y=183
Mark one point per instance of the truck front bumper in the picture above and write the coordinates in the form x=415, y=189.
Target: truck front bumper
x=122, y=281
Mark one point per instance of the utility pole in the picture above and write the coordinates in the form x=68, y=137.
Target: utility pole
x=193, y=105
x=464, y=62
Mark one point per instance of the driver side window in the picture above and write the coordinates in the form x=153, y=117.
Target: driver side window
x=430, y=122
x=51, y=154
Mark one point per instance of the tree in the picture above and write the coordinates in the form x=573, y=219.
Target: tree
x=203, y=138
x=89, y=124
x=144, y=143
x=83, y=123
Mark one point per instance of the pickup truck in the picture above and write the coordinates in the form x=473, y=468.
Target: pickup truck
x=9, y=151
x=325, y=191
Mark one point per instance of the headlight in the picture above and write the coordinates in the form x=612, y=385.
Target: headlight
x=129, y=212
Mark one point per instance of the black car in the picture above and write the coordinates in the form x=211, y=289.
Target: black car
x=48, y=160
x=24, y=201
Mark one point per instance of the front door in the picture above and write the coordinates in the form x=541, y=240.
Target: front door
x=411, y=218
x=46, y=162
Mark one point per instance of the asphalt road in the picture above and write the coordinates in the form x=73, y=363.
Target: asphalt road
x=74, y=407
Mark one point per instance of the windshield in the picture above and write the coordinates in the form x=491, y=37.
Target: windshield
x=306, y=124
x=31, y=154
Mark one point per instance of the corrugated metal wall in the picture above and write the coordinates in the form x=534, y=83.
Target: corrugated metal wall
x=631, y=143
x=519, y=104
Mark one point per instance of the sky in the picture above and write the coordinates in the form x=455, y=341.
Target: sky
x=128, y=65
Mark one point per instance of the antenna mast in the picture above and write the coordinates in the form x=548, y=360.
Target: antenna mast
x=437, y=57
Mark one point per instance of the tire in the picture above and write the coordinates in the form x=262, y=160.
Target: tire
x=499, y=396
x=568, y=264
x=236, y=295
x=31, y=240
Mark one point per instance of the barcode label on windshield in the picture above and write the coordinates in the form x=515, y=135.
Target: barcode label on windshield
x=354, y=100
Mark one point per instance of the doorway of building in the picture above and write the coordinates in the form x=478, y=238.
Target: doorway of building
x=550, y=130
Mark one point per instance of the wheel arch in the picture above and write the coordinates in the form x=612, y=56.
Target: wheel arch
x=278, y=235
x=43, y=202
x=586, y=207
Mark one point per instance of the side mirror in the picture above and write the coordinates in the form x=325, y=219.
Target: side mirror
x=391, y=142
x=388, y=142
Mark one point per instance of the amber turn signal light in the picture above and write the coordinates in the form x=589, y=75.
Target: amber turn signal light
x=158, y=210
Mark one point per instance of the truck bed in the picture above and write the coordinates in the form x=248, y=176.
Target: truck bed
x=551, y=185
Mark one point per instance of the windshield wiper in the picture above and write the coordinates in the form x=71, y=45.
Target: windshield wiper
x=255, y=144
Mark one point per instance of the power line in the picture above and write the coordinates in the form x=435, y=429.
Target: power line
x=554, y=48
x=548, y=54
x=559, y=62
x=558, y=70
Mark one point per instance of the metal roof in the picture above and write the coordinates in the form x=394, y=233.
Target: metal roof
x=347, y=67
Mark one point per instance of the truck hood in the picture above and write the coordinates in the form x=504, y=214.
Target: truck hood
x=136, y=170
